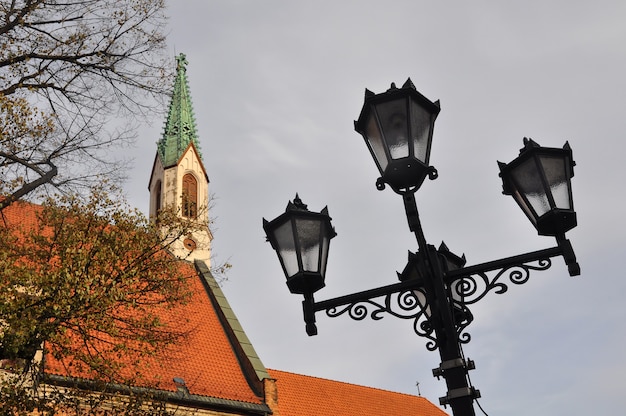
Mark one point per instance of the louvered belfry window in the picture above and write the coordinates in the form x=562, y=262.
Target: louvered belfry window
x=190, y=196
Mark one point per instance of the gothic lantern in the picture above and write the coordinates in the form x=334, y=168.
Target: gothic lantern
x=397, y=126
x=301, y=239
x=539, y=180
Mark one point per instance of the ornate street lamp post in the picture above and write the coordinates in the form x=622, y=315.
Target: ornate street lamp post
x=436, y=289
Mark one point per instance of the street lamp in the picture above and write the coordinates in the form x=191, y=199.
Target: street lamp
x=540, y=182
x=436, y=288
x=398, y=129
x=301, y=239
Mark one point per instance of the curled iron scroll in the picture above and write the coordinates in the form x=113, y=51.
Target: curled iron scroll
x=407, y=304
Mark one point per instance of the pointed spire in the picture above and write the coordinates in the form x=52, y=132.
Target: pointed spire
x=180, y=126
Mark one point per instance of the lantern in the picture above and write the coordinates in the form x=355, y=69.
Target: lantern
x=539, y=180
x=301, y=239
x=397, y=126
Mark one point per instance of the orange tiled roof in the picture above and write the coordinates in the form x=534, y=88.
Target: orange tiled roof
x=206, y=360
x=22, y=213
x=300, y=395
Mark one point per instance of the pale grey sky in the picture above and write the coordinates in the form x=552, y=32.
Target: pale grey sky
x=276, y=86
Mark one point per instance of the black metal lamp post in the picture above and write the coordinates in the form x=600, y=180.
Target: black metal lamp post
x=435, y=288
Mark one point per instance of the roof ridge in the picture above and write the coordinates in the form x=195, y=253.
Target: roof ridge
x=241, y=343
x=346, y=383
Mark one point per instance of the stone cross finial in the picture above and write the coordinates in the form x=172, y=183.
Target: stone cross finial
x=181, y=61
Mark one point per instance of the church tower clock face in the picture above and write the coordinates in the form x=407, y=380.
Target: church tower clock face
x=189, y=244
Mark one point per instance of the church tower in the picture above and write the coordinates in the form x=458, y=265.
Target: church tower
x=178, y=178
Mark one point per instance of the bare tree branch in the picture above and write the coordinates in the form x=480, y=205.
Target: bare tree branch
x=67, y=70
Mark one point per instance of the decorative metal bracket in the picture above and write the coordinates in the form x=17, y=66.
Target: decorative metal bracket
x=404, y=304
x=408, y=299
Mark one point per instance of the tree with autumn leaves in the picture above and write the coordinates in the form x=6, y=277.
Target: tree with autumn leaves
x=84, y=279
x=86, y=283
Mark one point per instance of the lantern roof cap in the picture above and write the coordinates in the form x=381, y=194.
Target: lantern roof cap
x=408, y=88
x=531, y=145
x=298, y=205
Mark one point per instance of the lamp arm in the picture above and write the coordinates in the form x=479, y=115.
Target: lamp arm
x=563, y=249
x=365, y=295
x=506, y=262
x=472, y=283
x=400, y=300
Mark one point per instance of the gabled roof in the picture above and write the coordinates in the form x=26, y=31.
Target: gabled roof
x=299, y=395
x=180, y=126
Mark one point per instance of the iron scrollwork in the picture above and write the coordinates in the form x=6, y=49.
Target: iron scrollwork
x=466, y=287
x=406, y=304
x=473, y=287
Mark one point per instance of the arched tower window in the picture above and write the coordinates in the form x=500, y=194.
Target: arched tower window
x=190, y=196
x=157, y=198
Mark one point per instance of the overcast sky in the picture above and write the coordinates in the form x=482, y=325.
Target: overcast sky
x=276, y=86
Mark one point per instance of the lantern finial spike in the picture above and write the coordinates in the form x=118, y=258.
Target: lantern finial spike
x=296, y=204
x=528, y=144
x=568, y=149
x=409, y=84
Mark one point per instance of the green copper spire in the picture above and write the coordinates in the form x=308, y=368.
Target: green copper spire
x=180, y=127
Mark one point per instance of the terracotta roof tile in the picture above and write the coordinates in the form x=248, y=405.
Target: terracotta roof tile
x=300, y=395
x=22, y=213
